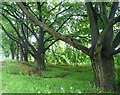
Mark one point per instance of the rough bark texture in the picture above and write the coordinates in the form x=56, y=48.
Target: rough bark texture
x=40, y=48
x=104, y=72
x=40, y=63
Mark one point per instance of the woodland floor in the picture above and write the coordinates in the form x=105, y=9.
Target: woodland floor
x=20, y=77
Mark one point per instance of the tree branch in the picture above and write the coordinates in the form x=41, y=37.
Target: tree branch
x=113, y=10
x=116, y=51
x=55, y=7
x=52, y=32
x=23, y=23
x=64, y=11
x=51, y=44
x=116, y=41
x=109, y=25
x=14, y=39
x=22, y=30
x=103, y=13
x=93, y=23
x=63, y=24
x=32, y=32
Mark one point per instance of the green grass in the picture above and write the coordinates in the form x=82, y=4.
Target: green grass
x=78, y=80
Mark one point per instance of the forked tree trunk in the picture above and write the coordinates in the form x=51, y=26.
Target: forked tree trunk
x=104, y=72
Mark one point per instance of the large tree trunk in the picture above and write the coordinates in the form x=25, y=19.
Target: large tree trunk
x=41, y=48
x=40, y=63
x=104, y=73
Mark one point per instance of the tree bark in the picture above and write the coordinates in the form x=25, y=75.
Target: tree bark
x=40, y=63
x=40, y=48
x=17, y=51
x=12, y=51
x=26, y=56
x=103, y=67
x=21, y=55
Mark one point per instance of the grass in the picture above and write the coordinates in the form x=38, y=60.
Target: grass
x=78, y=79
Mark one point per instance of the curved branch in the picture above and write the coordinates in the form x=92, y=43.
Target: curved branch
x=14, y=39
x=23, y=23
x=64, y=11
x=103, y=13
x=51, y=44
x=116, y=51
x=110, y=24
x=113, y=10
x=116, y=41
x=17, y=32
x=52, y=32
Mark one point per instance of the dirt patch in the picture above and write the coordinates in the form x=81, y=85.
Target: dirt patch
x=15, y=73
x=58, y=76
x=2, y=63
x=27, y=64
x=32, y=72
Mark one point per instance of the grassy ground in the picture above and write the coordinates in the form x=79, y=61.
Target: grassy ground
x=19, y=77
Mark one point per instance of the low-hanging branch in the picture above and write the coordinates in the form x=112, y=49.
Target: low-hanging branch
x=52, y=32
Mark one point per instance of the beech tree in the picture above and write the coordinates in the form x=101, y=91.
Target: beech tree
x=103, y=45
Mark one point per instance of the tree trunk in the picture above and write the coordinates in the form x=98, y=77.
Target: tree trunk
x=40, y=63
x=26, y=56
x=17, y=51
x=104, y=72
x=12, y=54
